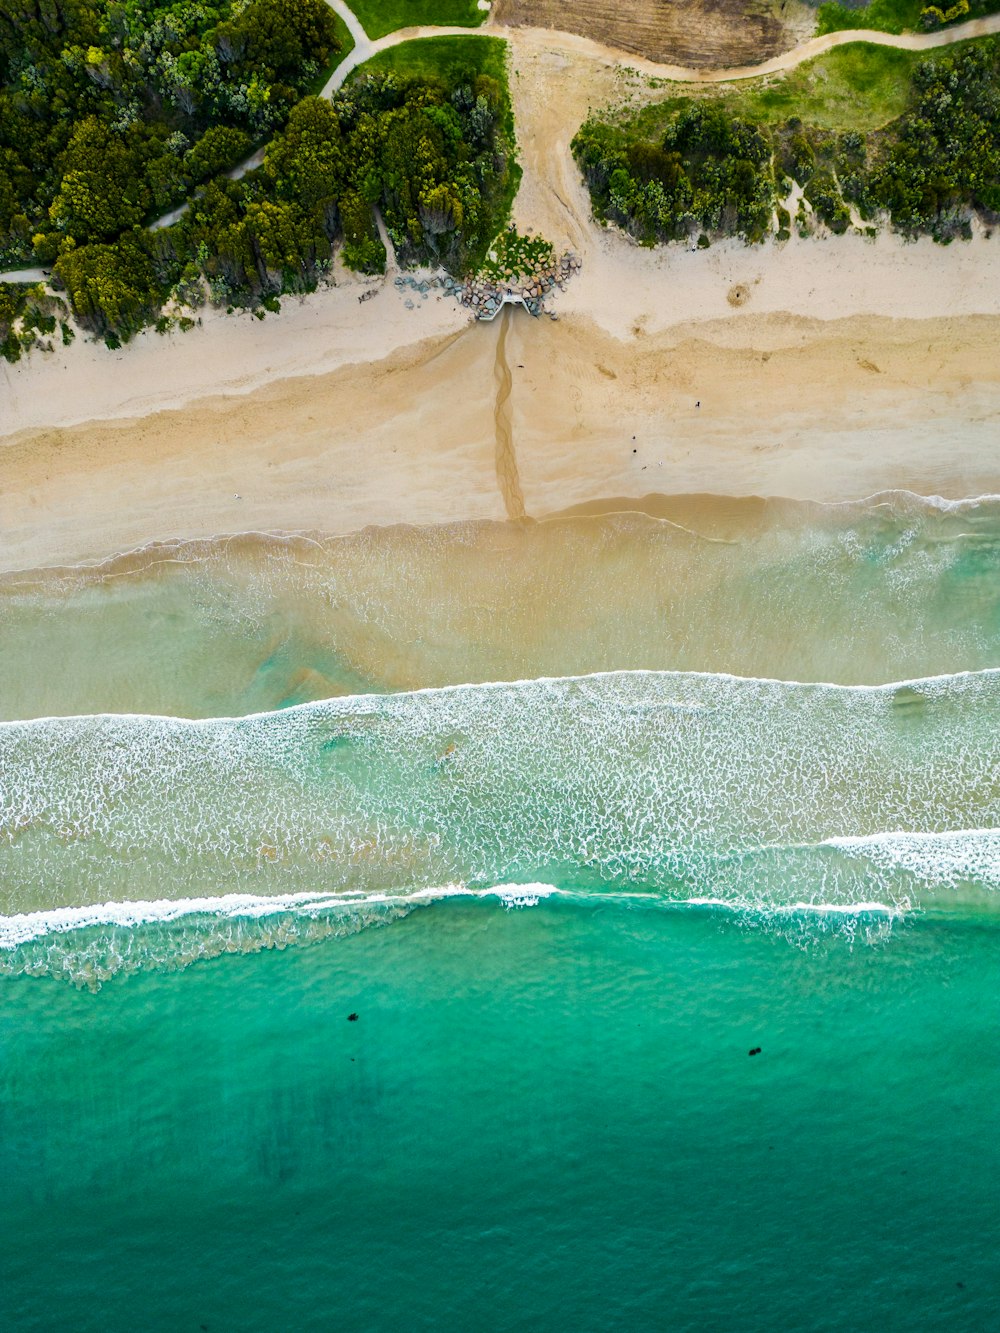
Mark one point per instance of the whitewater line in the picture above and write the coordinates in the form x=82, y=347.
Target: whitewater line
x=351, y=703
x=21, y=928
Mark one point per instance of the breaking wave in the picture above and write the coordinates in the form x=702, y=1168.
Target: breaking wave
x=88, y=946
x=761, y=797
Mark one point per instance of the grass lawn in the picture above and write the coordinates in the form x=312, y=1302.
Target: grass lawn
x=891, y=15
x=434, y=57
x=855, y=87
x=379, y=17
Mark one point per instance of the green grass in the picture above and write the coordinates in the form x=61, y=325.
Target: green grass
x=379, y=17
x=856, y=87
x=435, y=57
x=890, y=15
x=881, y=15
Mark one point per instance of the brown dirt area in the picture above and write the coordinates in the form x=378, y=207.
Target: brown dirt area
x=701, y=34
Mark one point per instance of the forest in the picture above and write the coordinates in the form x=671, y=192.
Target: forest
x=111, y=113
x=714, y=168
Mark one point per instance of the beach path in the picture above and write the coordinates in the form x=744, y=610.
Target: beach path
x=573, y=45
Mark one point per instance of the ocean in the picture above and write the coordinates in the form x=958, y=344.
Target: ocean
x=578, y=925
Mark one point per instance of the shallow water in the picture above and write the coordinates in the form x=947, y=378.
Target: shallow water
x=884, y=590
x=251, y=787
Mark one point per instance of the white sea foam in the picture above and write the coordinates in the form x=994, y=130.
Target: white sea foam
x=938, y=859
x=24, y=926
x=762, y=795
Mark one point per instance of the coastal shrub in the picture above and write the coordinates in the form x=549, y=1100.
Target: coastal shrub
x=113, y=111
x=710, y=172
x=824, y=195
x=932, y=17
x=715, y=171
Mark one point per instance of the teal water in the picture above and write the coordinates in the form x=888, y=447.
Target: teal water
x=542, y=1119
x=252, y=787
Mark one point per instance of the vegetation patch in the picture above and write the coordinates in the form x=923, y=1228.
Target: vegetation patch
x=112, y=111
x=854, y=87
x=900, y=15
x=720, y=165
x=427, y=142
x=456, y=67
x=28, y=318
x=442, y=58
x=514, y=256
x=379, y=17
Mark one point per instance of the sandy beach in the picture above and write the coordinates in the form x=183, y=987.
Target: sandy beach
x=848, y=366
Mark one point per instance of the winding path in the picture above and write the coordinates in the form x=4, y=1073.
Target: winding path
x=25, y=275
x=553, y=40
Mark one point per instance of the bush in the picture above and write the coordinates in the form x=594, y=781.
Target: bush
x=714, y=172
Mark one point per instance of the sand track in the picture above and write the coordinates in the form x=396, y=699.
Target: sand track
x=506, y=458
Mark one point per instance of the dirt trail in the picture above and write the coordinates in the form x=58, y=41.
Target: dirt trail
x=506, y=459
x=571, y=45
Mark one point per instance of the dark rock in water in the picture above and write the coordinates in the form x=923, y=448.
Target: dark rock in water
x=352, y=1018
x=755, y=1051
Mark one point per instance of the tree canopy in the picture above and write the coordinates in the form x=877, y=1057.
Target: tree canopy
x=140, y=105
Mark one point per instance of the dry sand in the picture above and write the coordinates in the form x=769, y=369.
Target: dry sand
x=852, y=366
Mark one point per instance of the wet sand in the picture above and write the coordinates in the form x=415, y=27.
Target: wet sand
x=808, y=409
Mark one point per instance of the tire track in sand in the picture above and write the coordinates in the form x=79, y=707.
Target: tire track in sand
x=506, y=459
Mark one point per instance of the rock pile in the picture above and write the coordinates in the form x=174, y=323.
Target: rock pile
x=484, y=296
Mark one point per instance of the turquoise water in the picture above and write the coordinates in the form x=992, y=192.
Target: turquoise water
x=564, y=906
x=543, y=1119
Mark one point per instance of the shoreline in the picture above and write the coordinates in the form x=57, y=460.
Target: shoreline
x=809, y=410
x=826, y=369
x=624, y=290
